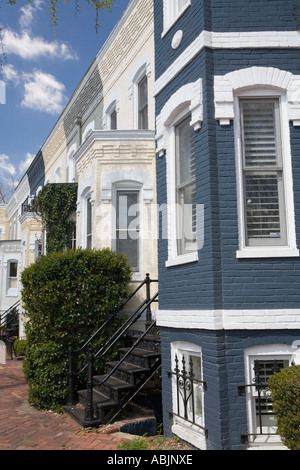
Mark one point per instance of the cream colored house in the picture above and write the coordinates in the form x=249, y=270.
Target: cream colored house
x=103, y=141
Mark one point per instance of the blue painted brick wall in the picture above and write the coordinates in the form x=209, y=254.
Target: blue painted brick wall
x=221, y=16
x=223, y=371
x=219, y=280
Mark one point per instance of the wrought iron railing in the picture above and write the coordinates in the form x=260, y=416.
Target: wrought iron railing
x=28, y=205
x=262, y=395
x=185, y=382
x=110, y=343
x=7, y=332
x=9, y=316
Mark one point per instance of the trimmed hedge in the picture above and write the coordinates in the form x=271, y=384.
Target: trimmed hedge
x=67, y=296
x=285, y=390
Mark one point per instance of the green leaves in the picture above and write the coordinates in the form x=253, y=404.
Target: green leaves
x=285, y=390
x=55, y=203
x=67, y=296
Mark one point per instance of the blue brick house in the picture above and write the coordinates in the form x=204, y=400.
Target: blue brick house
x=227, y=92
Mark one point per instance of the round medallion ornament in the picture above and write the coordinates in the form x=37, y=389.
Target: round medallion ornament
x=177, y=38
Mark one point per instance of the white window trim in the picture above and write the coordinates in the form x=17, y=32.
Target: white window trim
x=57, y=174
x=71, y=165
x=11, y=291
x=129, y=186
x=180, y=427
x=266, y=352
x=86, y=192
x=290, y=250
x=87, y=131
x=142, y=69
x=186, y=100
x=113, y=105
x=170, y=18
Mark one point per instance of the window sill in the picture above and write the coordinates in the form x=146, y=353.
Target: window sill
x=183, y=259
x=172, y=21
x=267, y=252
x=190, y=434
x=12, y=292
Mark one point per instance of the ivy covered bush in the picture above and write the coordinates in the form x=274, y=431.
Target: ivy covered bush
x=67, y=296
x=285, y=390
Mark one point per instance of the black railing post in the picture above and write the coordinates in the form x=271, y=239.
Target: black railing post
x=71, y=394
x=148, y=298
x=89, y=410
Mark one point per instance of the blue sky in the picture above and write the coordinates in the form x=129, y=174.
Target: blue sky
x=42, y=71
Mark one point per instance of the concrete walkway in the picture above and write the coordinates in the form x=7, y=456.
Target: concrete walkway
x=22, y=427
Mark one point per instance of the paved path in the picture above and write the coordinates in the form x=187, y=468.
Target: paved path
x=22, y=427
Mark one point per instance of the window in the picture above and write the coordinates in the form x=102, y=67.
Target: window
x=12, y=276
x=127, y=226
x=187, y=391
x=261, y=364
x=173, y=9
x=180, y=118
x=38, y=248
x=263, y=187
x=110, y=115
x=185, y=187
x=88, y=223
x=113, y=120
x=143, y=103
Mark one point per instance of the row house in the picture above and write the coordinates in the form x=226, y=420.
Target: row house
x=104, y=142
x=227, y=94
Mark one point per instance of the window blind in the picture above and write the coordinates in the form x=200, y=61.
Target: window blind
x=262, y=168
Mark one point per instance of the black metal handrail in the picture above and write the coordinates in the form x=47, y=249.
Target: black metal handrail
x=145, y=305
x=89, y=411
x=3, y=317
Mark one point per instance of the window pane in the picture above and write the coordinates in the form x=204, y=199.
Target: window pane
x=127, y=227
x=260, y=133
x=179, y=4
x=89, y=223
x=143, y=103
x=264, y=369
x=113, y=120
x=13, y=269
x=263, y=175
x=185, y=187
x=262, y=206
x=185, y=152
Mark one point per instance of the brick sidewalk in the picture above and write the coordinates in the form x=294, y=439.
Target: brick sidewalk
x=22, y=427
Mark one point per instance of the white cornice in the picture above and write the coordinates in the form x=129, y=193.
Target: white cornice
x=113, y=135
x=240, y=40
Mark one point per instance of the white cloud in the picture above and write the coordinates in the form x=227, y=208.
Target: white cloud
x=6, y=166
x=24, y=165
x=43, y=93
x=27, y=47
x=27, y=13
x=10, y=74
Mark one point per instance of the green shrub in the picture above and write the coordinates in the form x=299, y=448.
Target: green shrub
x=66, y=297
x=20, y=347
x=285, y=390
